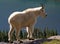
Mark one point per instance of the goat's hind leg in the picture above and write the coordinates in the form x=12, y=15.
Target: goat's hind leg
x=17, y=34
x=10, y=33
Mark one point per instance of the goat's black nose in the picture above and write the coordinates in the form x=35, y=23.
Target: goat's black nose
x=46, y=15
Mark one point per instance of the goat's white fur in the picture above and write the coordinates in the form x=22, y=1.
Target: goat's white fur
x=26, y=18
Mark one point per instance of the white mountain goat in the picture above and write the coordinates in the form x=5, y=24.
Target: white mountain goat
x=26, y=18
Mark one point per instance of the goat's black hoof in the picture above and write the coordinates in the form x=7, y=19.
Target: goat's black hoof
x=31, y=38
x=21, y=41
x=10, y=41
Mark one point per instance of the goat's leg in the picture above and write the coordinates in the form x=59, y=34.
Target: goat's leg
x=17, y=35
x=28, y=36
x=10, y=32
x=30, y=32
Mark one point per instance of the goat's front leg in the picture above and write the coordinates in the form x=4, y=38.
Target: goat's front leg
x=30, y=30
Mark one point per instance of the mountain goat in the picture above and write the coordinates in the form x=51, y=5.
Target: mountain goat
x=26, y=18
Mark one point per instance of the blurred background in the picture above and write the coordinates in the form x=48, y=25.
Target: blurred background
x=52, y=7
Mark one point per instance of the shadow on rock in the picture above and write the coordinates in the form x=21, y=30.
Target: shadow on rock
x=38, y=41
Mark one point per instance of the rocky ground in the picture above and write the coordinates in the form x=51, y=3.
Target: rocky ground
x=36, y=41
x=55, y=37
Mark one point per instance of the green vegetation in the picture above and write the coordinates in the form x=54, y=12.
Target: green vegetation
x=3, y=36
x=52, y=42
x=38, y=33
x=44, y=33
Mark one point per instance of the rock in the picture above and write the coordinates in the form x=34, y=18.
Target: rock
x=55, y=37
x=16, y=42
x=27, y=41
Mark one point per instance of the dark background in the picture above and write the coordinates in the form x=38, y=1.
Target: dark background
x=52, y=8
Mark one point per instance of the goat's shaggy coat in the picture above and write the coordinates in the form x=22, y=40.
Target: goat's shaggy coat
x=26, y=18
